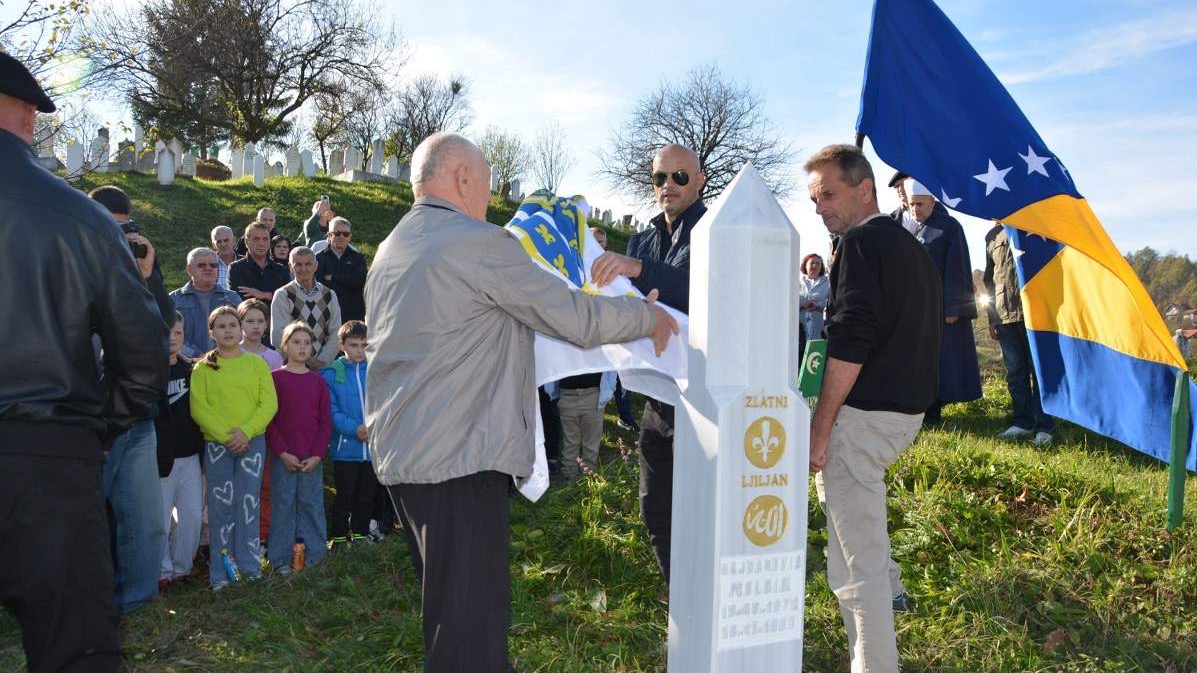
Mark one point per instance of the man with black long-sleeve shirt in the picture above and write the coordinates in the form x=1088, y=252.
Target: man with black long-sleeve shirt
x=659, y=259
x=883, y=329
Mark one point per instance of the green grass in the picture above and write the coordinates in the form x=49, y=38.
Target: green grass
x=1019, y=559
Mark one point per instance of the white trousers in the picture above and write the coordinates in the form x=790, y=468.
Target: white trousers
x=182, y=505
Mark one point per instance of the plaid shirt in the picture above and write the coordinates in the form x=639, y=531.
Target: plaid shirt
x=222, y=273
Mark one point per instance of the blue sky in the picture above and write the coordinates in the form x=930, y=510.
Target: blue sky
x=1109, y=84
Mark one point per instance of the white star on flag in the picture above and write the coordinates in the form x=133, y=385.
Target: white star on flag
x=1035, y=164
x=947, y=200
x=994, y=178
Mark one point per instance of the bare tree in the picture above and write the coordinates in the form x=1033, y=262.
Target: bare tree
x=718, y=118
x=41, y=35
x=426, y=105
x=550, y=157
x=505, y=153
x=366, y=121
x=245, y=66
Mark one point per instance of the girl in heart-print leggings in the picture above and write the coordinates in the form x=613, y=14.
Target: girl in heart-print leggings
x=232, y=401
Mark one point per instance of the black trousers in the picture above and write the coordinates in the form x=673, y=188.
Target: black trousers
x=656, y=478
x=550, y=418
x=459, y=532
x=56, y=574
x=356, y=489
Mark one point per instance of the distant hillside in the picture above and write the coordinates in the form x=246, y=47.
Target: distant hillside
x=1170, y=279
x=179, y=217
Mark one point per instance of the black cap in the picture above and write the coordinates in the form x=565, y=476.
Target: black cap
x=113, y=198
x=16, y=81
x=898, y=177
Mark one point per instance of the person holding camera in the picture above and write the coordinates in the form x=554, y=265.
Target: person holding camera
x=315, y=230
x=116, y=201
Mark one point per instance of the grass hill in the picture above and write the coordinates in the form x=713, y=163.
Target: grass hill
x=1019, y=559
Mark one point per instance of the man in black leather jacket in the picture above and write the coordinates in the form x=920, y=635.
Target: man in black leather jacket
x=68, y=274
x=659, y=259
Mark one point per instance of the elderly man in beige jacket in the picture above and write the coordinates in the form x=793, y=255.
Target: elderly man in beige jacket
x=452, y=303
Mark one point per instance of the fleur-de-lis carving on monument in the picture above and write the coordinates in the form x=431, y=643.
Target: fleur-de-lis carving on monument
x=765, y=442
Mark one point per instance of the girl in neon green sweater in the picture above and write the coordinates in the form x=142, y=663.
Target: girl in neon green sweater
x=232, y=401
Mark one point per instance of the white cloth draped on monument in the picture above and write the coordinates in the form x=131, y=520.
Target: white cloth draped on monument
x=553, y=231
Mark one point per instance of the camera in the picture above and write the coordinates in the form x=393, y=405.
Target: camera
x=139, y=250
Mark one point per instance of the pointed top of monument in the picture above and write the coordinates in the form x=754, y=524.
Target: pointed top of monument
x=747, y=203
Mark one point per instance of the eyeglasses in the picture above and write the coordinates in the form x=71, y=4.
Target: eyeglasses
x=341, y=234
x=205, y=265
x=680, y=178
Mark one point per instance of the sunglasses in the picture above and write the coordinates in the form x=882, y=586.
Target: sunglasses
x=205, y=265
x=341, y=234
x=680, y=178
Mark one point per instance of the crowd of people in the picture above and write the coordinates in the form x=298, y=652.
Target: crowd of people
x=208, y=412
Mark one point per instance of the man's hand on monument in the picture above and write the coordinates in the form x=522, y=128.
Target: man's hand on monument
x=610, y=265
x=664, y=326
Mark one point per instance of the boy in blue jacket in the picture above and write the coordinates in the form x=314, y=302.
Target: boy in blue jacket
x=353, y=472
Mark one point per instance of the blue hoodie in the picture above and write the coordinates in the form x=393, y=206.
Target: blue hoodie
x=346, y=392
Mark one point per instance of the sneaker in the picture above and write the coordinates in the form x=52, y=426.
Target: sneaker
x=629, y=425
x=1042, y=439
x=375, y=537
x=373, y=526
x=1014, y=432
x=337, y=546
x=902, y=603
x=220, y=586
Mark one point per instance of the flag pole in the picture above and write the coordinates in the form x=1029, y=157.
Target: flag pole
x=1180, y=446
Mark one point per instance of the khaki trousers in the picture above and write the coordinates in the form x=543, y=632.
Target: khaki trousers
x=851, y=490
x=581, y=429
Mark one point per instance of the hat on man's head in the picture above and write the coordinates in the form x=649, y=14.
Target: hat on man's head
x=16, y=81
x=898, y=178
x=916, y=188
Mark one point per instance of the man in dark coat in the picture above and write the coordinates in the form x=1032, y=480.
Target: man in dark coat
x=659, y=259
x=72, y=276
x=343, y=270
x=943, y=237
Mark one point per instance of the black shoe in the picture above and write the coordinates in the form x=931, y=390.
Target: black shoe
x=629, y=425
x=902, y=603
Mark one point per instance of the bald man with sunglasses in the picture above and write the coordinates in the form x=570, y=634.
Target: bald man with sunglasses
x=659, y=259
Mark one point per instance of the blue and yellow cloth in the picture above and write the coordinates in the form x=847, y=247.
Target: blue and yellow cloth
x=934, y=110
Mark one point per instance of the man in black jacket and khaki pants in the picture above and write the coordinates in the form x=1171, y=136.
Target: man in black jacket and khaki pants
x=69, y=274
x=883, y=330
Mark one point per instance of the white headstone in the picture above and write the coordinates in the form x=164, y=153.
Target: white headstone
x=74, y=162
x=515, y=191
x=259, y=170
x=336, y=162
x=44, y=136
x=494, y=182
x=166, y=163
x=353, y=159
x=742, y=444
x=292, y=159
x=176, y=146
x=392, y=168
x=606, y=217
x=98, y=154
x=405, y=172
x=187, y=165
x=376, y=157
x=309, y=166
x=138, y=140
x=237, y=163
x=251, y=159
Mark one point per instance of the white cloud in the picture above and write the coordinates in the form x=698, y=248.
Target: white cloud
x=1114, y=45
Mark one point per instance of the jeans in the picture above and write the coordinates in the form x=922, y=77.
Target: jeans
x=623, y=402
x=182, y=503
x=296, y=513
x=130, y=481
x=234, y=483
x=656, y=478
x=1020, y=379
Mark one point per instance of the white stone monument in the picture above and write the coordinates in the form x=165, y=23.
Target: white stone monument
x=98, y=153
x=292, y=160
x=353, y=159
x=74, y=158
x=176, y=146
x=336, y=162
x=237, y=163
x=250, y=160
x=138, y=140
x=376, y=157
x=737, y=581
x=515, y=191
x=494, y=181
x=392, y=168
x=308, y=165
x=259, y=170
x=166, y=163
x=405, y=172
x=187, y=165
